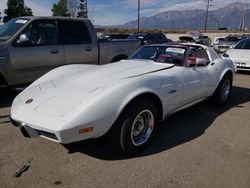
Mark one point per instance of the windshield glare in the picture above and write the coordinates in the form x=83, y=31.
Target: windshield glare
x=161, y=54
x=10, y=28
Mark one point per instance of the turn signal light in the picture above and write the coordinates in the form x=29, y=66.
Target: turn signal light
x=86, y=130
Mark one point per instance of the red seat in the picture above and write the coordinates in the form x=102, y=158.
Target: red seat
x=191, y=61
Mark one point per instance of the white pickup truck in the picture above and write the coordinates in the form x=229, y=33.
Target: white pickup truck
x=31, y=46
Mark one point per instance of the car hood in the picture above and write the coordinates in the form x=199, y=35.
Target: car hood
x=238, y=54
x=63, y=89
x=89, y=78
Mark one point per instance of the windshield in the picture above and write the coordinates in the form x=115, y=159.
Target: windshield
x=220, y=39
x=244, y=44
x=11, y=27
x=162, y=54
x=233, y=39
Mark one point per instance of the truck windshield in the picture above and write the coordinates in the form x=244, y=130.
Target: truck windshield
x=11, y=27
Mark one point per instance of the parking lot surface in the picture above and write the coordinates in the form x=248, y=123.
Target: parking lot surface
x=202, y=146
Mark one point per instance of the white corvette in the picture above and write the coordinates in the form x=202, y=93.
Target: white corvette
x=240, y=55
x=123, y=99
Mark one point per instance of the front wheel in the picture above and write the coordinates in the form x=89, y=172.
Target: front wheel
x=223, y=92
x=135, y=127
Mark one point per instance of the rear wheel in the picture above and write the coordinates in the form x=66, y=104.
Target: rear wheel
x=135, y=127
x=223, y=92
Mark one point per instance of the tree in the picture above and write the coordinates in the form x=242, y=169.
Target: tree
x=28, y=11
x=16, y=8
x=60, y=8
x=83, y=9
x=73, y=8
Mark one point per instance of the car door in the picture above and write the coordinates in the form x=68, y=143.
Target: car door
x=39, y=54
x=172, y=88
x=194, y=76
x=171, y=79
x=211, y=72
x=77, y=43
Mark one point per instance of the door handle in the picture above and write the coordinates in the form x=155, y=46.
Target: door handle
x=88, y=49
x=54, y=51
x=172, y=91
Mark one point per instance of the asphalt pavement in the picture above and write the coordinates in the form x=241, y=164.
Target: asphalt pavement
x=202, y=146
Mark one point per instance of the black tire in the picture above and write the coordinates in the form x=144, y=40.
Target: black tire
x=118, y=58
x=223, y=92
x=139, y=115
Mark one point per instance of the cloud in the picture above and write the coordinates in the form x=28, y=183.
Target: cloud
x=198, y=4
x=39, y=9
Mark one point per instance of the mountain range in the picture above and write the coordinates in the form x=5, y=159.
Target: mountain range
x=228, y=16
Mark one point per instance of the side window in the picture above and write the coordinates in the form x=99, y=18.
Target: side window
x=39, y=33
x=74, y=32
x=156, y=38
x=163, y=38
x=195, y=54
x=149, y=38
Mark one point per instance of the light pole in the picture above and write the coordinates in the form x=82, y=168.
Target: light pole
x=208, y=3
x=242, y=18
x=138, y=14
x=206, y=17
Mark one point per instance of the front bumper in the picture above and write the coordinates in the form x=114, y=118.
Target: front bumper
x=242, y=66
x=30, y=132
x=64, y=137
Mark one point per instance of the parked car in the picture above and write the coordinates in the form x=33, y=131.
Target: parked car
x=204, y=39
x=124, y=100
x=187, y=39
x=114, y=36
x=240, y=55
x=218, y=39
x=229, y=42
x=150, y=38
x=31, y=46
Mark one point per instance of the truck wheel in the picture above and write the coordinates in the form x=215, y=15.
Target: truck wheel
x=223, y=92
x=135, y=127
x=118, y=58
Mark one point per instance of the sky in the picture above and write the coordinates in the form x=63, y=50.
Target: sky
x=111, y=12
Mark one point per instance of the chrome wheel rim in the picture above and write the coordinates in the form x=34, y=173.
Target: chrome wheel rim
x=142, y=127
x=226, y=90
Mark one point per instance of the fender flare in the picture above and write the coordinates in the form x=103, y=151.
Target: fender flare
x=226, y=71
x=147, y=93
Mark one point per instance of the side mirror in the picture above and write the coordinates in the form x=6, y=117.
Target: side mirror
x=23, y=38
